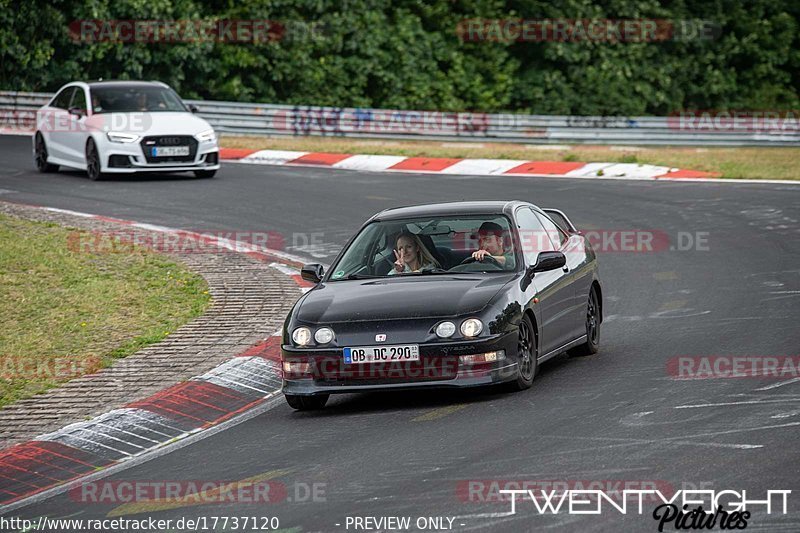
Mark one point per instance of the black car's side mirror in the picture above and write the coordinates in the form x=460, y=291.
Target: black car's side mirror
x=77, y=111
x=547, y=261
x=193, y=108
x=312, y=272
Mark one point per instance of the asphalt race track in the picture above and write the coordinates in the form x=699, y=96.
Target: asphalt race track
x=616, y=416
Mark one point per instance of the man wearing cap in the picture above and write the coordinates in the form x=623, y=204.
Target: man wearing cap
x=490, y=242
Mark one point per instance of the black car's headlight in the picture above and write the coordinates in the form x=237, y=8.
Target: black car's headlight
x=445, y=329
x=301, y=336
x=471, y=327
x=323, y=335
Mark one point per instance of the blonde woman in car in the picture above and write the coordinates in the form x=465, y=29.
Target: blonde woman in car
x=411, y=255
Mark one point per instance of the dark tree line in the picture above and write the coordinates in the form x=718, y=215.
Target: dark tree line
x=406, y=54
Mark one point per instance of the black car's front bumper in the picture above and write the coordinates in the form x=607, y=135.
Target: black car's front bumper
x=441, y=365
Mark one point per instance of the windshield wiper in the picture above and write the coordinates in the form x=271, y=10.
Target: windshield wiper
x=435, y=271
x=362, y=276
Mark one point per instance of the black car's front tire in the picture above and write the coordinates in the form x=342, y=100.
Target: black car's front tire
x=527, y=352
x=306, y=403
x=592, y=344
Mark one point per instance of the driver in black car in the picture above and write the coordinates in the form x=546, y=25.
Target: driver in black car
x=491, y=243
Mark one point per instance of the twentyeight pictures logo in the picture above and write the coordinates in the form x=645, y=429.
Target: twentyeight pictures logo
x=684, y=509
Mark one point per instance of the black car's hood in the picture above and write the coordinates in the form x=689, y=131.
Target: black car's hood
x=430, y=296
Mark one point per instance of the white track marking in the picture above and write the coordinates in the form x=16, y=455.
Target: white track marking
x=482, y=167
x=270, y=157
x=374, y=163
x=748, y=402
x=776, y=385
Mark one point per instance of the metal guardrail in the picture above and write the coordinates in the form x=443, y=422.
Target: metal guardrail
x=17, y=110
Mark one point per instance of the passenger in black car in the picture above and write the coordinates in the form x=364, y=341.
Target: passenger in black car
x=411, y=255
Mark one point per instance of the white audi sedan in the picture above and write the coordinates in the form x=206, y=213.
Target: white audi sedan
x=122, y=127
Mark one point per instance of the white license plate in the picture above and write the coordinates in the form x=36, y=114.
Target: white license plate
x=167, y=151
x=381, y=354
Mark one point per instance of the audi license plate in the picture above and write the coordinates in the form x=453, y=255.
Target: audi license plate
x=380, y=354
x=169, y=151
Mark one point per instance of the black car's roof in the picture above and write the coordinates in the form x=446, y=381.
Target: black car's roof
x=493, y=207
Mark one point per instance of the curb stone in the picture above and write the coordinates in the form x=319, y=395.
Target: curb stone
x=220, y=364
x=479, y=167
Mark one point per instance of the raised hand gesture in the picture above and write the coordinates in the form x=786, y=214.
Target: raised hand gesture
x=399, y=263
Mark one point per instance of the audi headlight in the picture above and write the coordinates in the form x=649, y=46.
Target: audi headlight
x=323, y=335
x=207, y=136
x=445, y=330
x=120, y=137
x=471, y=327
x=301, y=336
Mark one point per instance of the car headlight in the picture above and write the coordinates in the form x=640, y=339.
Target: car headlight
x=323, y=335
x=471, y=327
x=445, y=330
x=207, y=136
x=120, y=137
x=301, y=336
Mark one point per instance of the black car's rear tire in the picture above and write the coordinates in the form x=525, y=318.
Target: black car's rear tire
x=204, y=173
x=527, y=352
x=592, y=344
x=93, y=161
x=306, y=403
x=40, y=156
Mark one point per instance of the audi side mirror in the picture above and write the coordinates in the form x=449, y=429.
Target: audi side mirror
x=77, y=111
x=193, y=108
x=312, y=272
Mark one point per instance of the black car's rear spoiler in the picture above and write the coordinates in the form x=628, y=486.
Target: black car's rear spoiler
x=561, y=219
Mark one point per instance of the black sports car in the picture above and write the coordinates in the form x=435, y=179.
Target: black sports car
x=444, y=295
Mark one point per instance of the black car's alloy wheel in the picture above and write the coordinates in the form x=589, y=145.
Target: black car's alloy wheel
x=527, y=352
x=93, y=161
x=40, y=156
x=307, y=403
x=592, y=344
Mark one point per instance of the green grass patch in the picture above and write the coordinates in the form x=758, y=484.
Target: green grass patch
x=733, y=163
x=68, y=311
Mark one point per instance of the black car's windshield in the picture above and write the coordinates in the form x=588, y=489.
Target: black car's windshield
x=429, y=246
x=135, y=98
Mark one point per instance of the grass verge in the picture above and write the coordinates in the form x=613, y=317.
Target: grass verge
x=733, y=163
x=67, y=312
